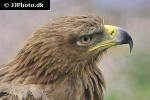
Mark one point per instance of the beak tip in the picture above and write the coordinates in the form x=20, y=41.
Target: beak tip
x=130, y=49
x=131, y=45
x=125, y=38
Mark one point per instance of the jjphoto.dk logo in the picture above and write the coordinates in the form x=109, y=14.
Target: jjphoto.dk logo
x=25, y=5
x=39, y=4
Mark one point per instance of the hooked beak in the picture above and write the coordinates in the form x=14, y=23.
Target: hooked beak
x=117, y=36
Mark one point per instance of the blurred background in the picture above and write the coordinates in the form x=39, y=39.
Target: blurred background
x=127, y=74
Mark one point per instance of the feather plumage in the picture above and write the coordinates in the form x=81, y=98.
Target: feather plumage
x=50, y=67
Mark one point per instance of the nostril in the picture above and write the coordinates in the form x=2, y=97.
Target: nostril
x=112, y=33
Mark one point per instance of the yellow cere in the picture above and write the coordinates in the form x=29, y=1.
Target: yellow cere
x=111, y=31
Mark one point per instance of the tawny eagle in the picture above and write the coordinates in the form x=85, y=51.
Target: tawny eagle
x=59, y=61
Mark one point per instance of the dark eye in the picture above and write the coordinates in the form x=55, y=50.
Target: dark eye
x=86, y=39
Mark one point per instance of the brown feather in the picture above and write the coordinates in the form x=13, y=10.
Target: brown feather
x=52, y=67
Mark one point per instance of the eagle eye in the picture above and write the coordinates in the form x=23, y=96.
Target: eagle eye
x=86, y=39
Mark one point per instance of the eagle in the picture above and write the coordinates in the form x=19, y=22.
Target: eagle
x=59, y=62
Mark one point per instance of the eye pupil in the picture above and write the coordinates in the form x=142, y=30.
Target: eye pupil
x=86, y=38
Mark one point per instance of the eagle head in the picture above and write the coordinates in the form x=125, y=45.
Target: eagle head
x=63, y=54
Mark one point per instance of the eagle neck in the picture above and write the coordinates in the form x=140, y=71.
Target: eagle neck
x=90, y=79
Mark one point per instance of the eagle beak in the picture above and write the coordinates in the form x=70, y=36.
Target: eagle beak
x=117, y=36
